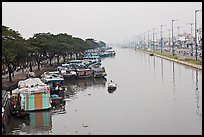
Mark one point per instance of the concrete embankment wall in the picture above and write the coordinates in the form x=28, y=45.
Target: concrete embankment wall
x=178, y=61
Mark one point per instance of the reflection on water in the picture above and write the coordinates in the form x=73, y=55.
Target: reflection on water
x=174, y=84
x=149, y=62
x=74, y=86
x=154, y=67
x=39, y=123
x=162, y=69
x=197, y=96
x=59, y=108
x=166, y=104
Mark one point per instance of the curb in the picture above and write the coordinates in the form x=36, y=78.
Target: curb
x=178, y=61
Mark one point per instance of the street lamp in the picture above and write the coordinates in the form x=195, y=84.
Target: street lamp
x=172, y=21
x=196, y=46
x=178, y=30
x=161, y=37
x=178, y=33
x=169, y=38
x=191, y=36
x=153, y=40
x=148, y=39
x=144, y=43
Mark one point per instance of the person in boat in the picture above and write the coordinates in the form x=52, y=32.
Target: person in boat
x=112, y=83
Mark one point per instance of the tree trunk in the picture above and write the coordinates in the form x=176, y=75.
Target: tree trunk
x=50, y=61
x=22, y=69
x=64, y=58
x=30, y=65
x=9, y=70
x=38, y=65
x=71, y=55
x=58, y=59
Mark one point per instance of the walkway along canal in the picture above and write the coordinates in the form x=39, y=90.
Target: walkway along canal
x=154, y=96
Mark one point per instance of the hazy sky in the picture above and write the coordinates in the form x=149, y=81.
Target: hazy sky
x=111, y=22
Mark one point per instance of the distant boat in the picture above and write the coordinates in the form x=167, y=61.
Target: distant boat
x=151, y=54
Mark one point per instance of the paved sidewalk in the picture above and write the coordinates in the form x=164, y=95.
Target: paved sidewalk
x=7, y=85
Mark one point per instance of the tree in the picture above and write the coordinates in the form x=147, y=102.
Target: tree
x=14, y=49
x=101, y=44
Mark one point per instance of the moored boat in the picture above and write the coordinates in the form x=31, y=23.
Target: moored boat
x=99, y=72
x=32, y=94
x=84, y=73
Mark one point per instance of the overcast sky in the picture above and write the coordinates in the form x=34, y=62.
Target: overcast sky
x=111, y=22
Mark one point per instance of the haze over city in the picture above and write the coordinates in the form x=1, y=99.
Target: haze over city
x=111, y=22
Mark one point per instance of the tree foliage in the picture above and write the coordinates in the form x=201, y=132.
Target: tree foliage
x=16, y=50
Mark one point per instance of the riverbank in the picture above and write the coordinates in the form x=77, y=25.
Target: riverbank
x=176, y=60
x=7, y=85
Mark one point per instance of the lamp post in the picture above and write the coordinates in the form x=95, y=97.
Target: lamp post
x=172, y=21
x=169, y=38
x=178, y=30
x=148, y=39
x=191, y=36
x=153, y=40
x=144, y=43
x=161, y=37
x=196, y=46
x=178, y=35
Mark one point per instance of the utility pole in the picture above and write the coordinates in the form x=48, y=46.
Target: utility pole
x=161, y=37
x=196, y=46
x=191, y=37
x=153, y=40
x=178, y=30
x=144, y=41
x=148, y=39
x=178, y=33
x=172, y=21
x=169, y=38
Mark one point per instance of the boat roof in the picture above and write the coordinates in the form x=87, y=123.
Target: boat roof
x=30, y=82
x=83, y=69
x=75, y=61
x=52, y=78
x=53, y=72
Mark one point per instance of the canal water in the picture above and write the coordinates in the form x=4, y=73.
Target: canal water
x=154, y=96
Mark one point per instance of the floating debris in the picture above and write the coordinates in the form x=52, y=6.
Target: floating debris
x=85, y=125
x=89, y=94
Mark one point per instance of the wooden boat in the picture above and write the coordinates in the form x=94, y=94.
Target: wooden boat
x=112, y=86
x=21, y=113
x=99, y=72
x=51, y=77
x=70, y=74
x=33, y=95
x=56, y=99
x=84, y=73
x=108, y=53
